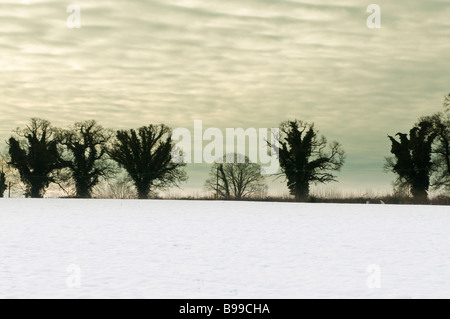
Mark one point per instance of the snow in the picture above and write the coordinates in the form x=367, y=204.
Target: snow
x=188, y=249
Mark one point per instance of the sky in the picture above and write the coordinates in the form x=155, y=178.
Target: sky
x=231, y=64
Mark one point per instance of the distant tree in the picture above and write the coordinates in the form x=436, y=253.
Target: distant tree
x=34, y=153
x=235, y=178
x=304, y=158
x=86, y=145
x=146, y=155
x=3, y=186
x=11, y=174
x=121, y=187
x=412, y=159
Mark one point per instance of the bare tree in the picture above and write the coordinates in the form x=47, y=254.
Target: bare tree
x=121, y=187
x=235, y=178
x=12, y=176
x=304, y=158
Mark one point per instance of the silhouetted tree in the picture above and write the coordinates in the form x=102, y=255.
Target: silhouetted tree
x=34, y=153
x=235, y=178
x=412, y=162
x=86, y=147
x=3, y=186
x=441, y=150
x=442, y=154
x=304, y=158
x=146, y=155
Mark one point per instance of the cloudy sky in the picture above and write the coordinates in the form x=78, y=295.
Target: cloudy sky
x=246, y=63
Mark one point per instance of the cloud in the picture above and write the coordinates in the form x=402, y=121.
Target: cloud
x=247, y=63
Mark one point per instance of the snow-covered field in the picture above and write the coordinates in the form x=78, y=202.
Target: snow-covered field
x=177, y=249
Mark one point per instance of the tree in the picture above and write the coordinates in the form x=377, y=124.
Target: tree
x=86, y=145
x=121, y=187
x=3, y=186
x=34, y=153
x=412, y=159
x=441, y=152
x=304, y=158
x=146, y=155
x=12, y=176
x=235, y=177
x=441, y=149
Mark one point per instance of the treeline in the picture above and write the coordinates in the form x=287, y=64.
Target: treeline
x=86, y=153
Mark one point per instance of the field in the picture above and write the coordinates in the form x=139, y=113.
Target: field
x=61, y=248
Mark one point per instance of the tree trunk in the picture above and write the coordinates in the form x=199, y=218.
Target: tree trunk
x=420, y=196
x=419, y=188
x=143, y=191
x=301, y=192
x=83, y=190
x=36, y=192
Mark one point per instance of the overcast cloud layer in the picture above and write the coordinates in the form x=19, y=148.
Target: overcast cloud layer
x=246, y=63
